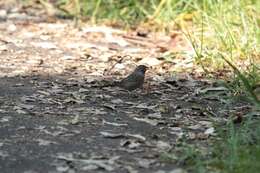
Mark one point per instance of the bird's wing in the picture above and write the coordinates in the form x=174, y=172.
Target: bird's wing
x=132, y=78
x=132, y=81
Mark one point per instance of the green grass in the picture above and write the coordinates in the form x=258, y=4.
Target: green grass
x=240, y=149
x=237, y=150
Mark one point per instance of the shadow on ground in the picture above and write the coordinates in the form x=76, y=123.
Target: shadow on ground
x=58, y=124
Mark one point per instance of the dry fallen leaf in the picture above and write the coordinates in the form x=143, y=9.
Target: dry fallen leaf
x=209, y=131
x=111, y=135
x=115, y=124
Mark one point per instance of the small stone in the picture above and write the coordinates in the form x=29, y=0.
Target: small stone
x=11, y=28
x=3, y=15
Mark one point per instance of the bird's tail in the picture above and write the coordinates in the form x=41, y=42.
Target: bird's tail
x=110, y=83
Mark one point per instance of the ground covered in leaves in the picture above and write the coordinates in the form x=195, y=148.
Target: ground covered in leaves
x=57, y=113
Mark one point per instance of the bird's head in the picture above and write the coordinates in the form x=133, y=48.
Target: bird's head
x=141, y=68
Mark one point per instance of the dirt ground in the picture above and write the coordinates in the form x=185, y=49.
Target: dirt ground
x=57, y=113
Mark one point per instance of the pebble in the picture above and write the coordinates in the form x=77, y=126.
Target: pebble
x=3, y=15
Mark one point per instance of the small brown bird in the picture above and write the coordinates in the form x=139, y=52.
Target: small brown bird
x=135, y=79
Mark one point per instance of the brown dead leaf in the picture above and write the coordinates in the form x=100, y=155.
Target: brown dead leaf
x=111, y=135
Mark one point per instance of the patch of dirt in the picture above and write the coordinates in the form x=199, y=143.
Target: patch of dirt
x=64, y=124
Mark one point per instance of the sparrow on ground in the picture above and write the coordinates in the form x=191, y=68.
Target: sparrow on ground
x=134, y=80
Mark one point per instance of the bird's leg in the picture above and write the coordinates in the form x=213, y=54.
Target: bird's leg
x=146, y=88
